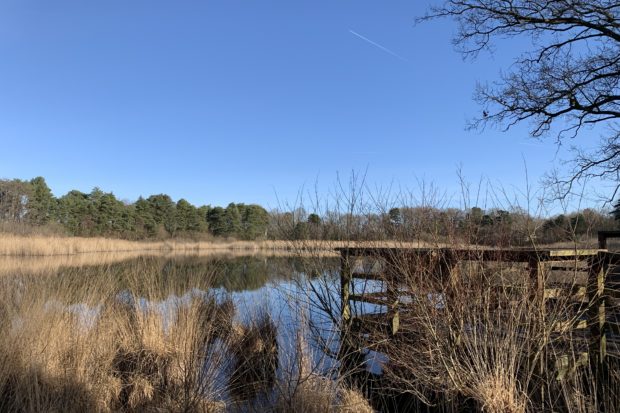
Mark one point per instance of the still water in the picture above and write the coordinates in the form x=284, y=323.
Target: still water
x=301, y=297
x=290, y=291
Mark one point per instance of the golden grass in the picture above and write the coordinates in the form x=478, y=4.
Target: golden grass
x=133, y=358
x=40, y=245
x=128, y=360
x=50, y=264
x=26, y=245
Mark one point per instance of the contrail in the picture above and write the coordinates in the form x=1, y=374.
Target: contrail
x=385, y=49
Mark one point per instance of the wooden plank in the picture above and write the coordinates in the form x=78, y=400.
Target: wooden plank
x=368, y=276
x=566, y=366
x=380, y=298
x=381, y=251
x=385, y=323
x=569, y=265
x=604, y=235
x=573, y=252
x=574, y=294
x=568, y=325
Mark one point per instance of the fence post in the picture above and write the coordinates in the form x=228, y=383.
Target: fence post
x=345, y=289
x=538, y=278
x=597, y=320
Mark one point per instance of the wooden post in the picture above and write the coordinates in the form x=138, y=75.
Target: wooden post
x=537, y=276
x=597, y=322
x=392, y=295
x=604, y=235
x=345, y=290
x=596, y=311
x=349, y=354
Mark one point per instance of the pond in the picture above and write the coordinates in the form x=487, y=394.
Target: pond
x=291, y=292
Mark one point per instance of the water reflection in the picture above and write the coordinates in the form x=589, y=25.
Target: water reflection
x=280, y=288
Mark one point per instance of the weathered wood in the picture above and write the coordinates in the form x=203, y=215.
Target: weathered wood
x=566, y=366
x=550, y=275
x=473, y=254
x=597, y=321
x=378, y=298
x=569, y=325
x=572, y=294
x=345, y=288
x=604, y=235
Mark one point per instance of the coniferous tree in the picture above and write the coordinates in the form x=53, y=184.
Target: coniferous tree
x=163, y=210
x=216, y=218
x=74, y=210
x=203, y=213
x=232, y=220
x=144, y=220
x=189, y=218
x=255, y=220
x=41, y=202
x=111, y=215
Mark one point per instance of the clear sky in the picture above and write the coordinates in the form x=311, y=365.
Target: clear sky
x=231, y=100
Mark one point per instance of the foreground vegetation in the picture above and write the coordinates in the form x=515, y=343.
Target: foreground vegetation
x=71, y=346
x=152, y=338
x=486, y=340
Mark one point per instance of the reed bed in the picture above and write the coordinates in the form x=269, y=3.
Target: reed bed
x=36, y=245
x=68, y=346
x=41, y=245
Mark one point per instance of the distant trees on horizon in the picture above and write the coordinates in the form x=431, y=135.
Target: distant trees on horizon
x=100, y=213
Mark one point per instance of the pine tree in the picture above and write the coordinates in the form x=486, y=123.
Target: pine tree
x=232, y=219
x=41, y=204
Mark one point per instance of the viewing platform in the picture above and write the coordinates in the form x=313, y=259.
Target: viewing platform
x=376, y=289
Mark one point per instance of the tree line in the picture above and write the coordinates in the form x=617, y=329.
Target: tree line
x=100, y=213
x=496, y=227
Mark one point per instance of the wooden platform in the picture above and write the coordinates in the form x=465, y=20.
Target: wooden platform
x=586, y=280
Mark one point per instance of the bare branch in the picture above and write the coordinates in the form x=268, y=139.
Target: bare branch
x=570, y=78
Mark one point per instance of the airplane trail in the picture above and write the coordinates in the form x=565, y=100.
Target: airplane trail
x=385, y=49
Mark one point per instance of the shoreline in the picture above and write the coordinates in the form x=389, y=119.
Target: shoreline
x=12, y=245
x=45, y=246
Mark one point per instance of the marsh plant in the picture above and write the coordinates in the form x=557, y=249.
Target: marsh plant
x=149, y=337
x=479, y=332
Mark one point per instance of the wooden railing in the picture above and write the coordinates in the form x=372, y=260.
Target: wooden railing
x=587, y=284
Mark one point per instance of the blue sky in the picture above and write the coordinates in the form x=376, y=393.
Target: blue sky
x=220, y=101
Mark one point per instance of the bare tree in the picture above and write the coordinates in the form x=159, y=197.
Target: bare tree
x=567, y=81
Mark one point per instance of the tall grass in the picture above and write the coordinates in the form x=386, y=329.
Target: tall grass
x=148, y=341
x=81, y=347
x=40, y=245
x=480, y=338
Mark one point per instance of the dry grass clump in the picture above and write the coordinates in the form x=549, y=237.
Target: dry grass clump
x=498, y=394
x=163, y=367
x=319, y=394
x=147, y=338
x=303, y=388
x=352, y=401
x=120, y=354
x=256, y=357
x=48, y=364
x=470, y=336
